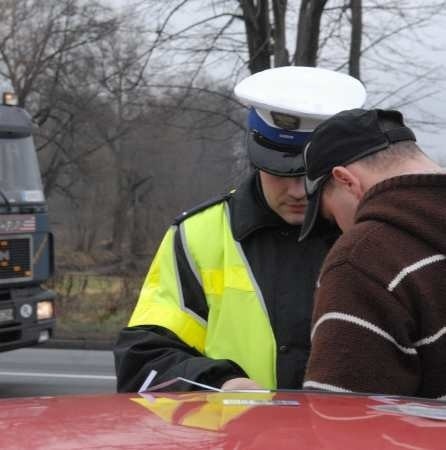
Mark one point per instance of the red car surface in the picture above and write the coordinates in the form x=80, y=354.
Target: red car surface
x=203, y=420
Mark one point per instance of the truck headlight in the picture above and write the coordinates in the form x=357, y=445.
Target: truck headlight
x=45, y=310
x=9, y=98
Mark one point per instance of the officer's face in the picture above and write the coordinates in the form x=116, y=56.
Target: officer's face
x=285, y=196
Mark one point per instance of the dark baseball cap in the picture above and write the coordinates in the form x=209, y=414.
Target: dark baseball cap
x=343, y=139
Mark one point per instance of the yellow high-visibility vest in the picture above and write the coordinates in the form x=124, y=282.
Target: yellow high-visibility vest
x=237, y=327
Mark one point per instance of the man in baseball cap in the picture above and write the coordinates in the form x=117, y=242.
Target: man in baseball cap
x=345, y=138
x=379, y=312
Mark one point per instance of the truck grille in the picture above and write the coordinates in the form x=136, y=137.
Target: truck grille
x=15, y=259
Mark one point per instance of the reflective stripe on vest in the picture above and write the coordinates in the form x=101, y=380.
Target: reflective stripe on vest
x=238, y=324
x=161, y=299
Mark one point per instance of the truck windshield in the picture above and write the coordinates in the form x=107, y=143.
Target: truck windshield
x=20, y=180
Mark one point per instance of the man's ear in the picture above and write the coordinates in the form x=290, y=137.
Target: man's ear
x=349, y=181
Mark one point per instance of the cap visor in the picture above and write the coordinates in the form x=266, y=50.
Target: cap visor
x=275, y=162
x=311, y=214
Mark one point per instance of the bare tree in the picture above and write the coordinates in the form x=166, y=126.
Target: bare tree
x=121, y=75
x=228, y=36
x=45, y=49
x=307, y=46
x=37, y=39
x=258, y=33
x=356, y=39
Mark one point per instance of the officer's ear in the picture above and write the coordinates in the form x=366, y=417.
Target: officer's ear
x=348, y=180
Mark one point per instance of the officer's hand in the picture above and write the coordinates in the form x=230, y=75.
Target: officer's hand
x=240, y=384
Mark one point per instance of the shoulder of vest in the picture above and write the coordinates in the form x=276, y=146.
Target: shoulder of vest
x=202, y=206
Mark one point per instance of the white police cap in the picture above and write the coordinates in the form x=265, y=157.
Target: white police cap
x=287, y=103
x=311, y=93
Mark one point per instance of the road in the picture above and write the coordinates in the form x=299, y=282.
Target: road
x=49, y=372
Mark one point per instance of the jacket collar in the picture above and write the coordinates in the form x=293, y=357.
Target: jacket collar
x=250, y=212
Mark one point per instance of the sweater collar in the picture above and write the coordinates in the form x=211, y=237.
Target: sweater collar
x=400, y=182
x=413, y=204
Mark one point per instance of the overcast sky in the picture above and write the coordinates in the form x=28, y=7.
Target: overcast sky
x=433, y=141
x=432, y=50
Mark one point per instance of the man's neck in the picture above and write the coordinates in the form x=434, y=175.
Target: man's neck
x=411, y=167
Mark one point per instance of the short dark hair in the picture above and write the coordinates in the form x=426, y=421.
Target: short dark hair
x=394, y=154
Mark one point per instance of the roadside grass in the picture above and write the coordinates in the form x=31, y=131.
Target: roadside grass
x=93, y=307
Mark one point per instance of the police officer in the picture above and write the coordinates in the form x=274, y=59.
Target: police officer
x=228, y=298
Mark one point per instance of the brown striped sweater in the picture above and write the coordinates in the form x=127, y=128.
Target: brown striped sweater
x=379, y=323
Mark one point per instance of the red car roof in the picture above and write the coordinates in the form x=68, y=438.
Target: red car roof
x=206, y=420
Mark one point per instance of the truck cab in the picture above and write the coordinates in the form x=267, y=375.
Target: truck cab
x=26, y=242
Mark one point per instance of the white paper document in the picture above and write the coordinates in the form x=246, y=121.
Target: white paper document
x=435, y=412
x=147, y=387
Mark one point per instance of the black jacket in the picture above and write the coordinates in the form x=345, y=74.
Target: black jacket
x=286, y=272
